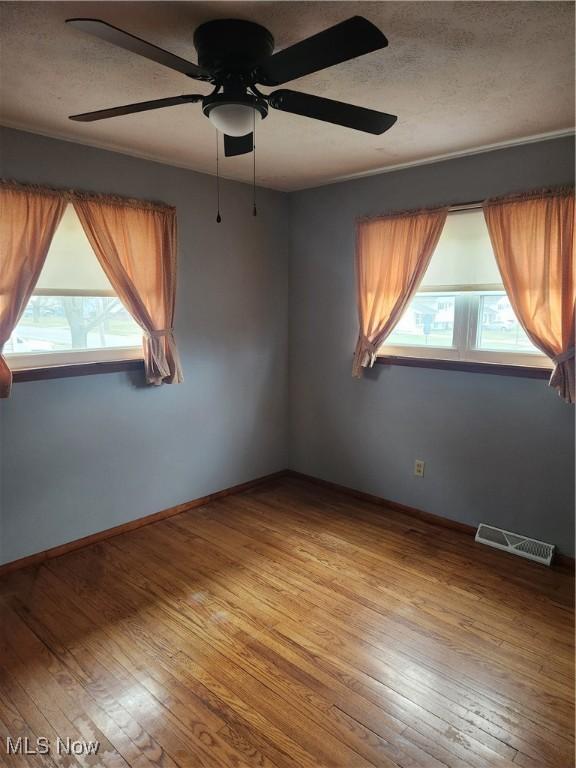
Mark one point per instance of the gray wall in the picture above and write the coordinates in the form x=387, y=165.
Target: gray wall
x=497, y=449
x=83, y=454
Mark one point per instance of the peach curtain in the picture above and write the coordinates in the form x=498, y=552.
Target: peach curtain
x=533, y=241
x=28, y=220
x=136, y=246
x=392, y=255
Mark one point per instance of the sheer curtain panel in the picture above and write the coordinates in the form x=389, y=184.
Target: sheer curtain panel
x=28, y=219
x=135, y=243
x=533, y=241
x=392, y=254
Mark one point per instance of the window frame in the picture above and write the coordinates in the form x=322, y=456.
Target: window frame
x=464, y=347
x=22, y=361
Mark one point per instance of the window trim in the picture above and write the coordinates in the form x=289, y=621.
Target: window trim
x=468, y=366
x=82, y=369
x=34, y=360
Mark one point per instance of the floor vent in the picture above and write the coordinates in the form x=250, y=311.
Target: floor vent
x=516, y=544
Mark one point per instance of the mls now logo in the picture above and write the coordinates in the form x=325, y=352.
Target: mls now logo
x=42, y=746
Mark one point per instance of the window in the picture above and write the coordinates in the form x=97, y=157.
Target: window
x=74, y=315
x=461, y=311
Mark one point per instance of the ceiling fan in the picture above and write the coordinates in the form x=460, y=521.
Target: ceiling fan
x=236, y=56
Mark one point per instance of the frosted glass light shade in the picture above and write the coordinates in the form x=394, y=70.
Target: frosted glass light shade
x=234, y=119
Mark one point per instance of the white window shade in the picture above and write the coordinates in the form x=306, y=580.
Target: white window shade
x=71, y=266
x=463, y=259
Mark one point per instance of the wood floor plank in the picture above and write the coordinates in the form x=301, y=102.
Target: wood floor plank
x=291, y=626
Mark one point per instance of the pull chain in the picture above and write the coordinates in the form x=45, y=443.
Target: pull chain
x=218, y=217
x=254, y=211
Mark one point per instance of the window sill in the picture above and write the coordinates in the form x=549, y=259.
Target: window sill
x=500, y=369
x=76, y=369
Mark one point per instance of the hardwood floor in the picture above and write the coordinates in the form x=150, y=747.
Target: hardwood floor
x=290, y=626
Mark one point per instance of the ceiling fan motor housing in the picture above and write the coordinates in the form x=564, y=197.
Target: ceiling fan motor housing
x=232, y=48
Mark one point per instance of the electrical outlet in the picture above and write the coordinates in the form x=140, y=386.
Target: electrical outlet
x=419, y=468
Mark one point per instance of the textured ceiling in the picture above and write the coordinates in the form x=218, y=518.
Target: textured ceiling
x=460, y=76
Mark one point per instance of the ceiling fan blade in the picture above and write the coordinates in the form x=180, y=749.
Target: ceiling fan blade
x=347, y=40
x=238, y=145
x=129, y=109
x=337, y=112
x=135, y=44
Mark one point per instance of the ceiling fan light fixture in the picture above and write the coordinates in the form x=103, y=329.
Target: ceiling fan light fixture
x=234, y=114
x=234, y=119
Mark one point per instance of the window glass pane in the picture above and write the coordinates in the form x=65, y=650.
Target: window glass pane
x=427, y=322
x=62, y=323
x=498, y=328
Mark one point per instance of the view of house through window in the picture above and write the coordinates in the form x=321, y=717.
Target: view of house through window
x=428, y=321
x=498, y=327
x=461, y=310
x=73, y=313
